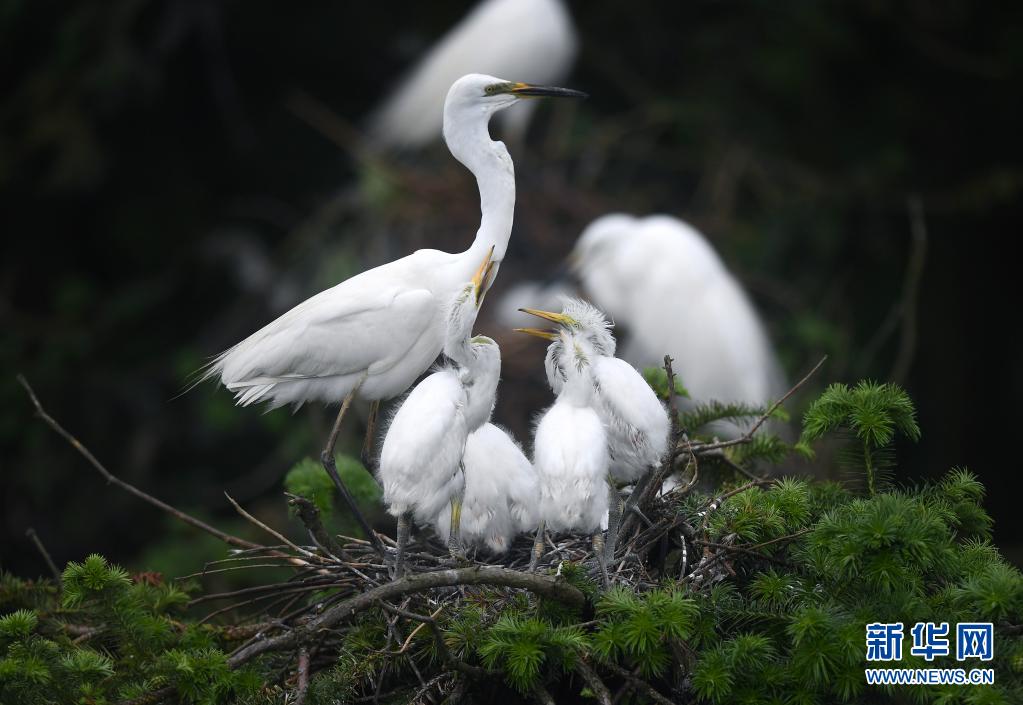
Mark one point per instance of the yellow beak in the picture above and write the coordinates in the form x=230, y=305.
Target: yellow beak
x=559, y=318
x=538, y=333
x=484, y=276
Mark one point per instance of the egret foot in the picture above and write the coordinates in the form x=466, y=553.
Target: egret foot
x=598, y=551
x=455, y=547
x=537, y=547
x=615, y=506
x=327, y=458
x=404, y=522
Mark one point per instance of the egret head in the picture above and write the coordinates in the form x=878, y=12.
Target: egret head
x=477, y=92
x=580, y=318
x=480, y=375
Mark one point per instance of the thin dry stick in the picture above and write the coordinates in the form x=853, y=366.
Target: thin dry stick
x=478, y=575
x=131, y=489
x=639, y=683
x=31, y=533
x=600, y=691
x=303, y=676
x=704, y=448
x=911, y=290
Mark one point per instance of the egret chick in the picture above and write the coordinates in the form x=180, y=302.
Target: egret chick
x=636, y=422
x=570, y=454
x=420, y=460
x=501, y=491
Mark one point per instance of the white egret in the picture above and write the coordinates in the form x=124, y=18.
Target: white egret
x=420, y=461
x=372, y=335
x=660, y=278
x=570, y=454
x=501, y=491
x=531, y=39
x=636, y=422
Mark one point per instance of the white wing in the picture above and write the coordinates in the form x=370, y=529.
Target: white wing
x=637, y=421
x=363, y=326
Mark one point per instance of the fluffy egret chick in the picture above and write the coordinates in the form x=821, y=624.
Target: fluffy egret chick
x=661, y=279
x=636, y=422
x=501, y=491
x=532, y=39
x=420, y=461
x=570, y=454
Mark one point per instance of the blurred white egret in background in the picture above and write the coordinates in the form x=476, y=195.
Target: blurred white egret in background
x=662, y=280
x=421, y=457
x=372, y=335
x=531, y=39
x=570, y=453
x=636, y=422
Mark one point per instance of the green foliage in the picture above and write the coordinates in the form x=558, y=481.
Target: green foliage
x=109, y=638
x=308, y=479
x=657, y=378
x=779, y=619
x=872, y=413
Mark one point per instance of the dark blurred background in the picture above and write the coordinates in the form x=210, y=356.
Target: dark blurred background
x=175, y=173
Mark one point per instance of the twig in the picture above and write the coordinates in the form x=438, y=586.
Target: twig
x=131, y=489
x=911, y=290
x=705, y=448
x=438, y=637
x=639, y=683
x=31, y=533
x=273, y=532
x=600, y=691
x=303, y=676
x=542, y=695
x=478, y=575
x=310, y=516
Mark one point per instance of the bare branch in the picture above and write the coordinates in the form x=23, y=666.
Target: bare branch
x=131, y=489
x=478, y=575
x=31, y=533
x=600, y=690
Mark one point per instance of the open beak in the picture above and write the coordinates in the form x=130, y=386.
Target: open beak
x=559, y=318
x=538, y=333
x=483, y=277
x=527, y=90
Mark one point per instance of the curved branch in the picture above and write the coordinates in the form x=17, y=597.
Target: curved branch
x=478, y=575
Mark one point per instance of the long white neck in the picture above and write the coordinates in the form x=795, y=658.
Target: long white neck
x=469, y=140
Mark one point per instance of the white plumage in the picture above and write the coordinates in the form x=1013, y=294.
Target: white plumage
x=531, y=39
x=662, y=280
x=420, y=465
x=420, y=459
x=570, y=451
x=375, y=333
x=501, y=491
x=636, y=422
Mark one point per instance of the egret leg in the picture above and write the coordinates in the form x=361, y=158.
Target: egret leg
x=327, y=458
x=598, y=551
x=614, y=517
x=455, y=532
x=537, y=546
x=371, y=429
x=404, y=522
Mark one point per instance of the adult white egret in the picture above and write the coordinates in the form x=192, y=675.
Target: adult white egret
x=374, y=334
x=570, y=454
x=660, y=278
x=531, y=39
x=501, y=491
x=420, y=460
x=636, y=421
